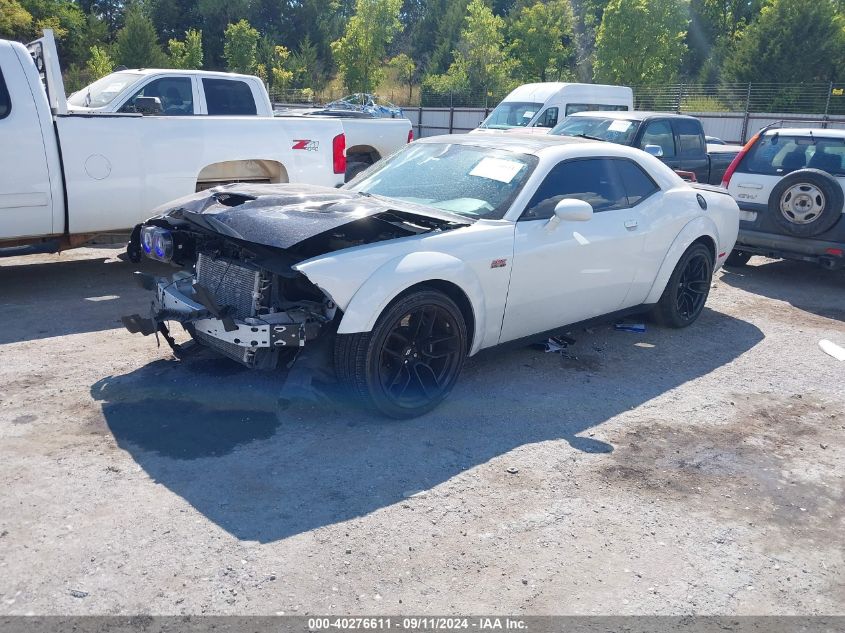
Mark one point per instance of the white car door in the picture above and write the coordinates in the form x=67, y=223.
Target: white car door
x=575, y=270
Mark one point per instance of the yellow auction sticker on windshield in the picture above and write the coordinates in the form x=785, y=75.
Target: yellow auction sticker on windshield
x=499, y=169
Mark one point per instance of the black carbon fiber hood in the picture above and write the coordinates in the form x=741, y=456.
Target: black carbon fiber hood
x=282, y=216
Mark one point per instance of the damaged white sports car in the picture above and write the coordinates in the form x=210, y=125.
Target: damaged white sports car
x=452, y=245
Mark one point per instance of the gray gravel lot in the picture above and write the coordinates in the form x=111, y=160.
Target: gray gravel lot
x=666, y=472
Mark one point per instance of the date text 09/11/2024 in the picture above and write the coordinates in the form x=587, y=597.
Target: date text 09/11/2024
x=417, y=623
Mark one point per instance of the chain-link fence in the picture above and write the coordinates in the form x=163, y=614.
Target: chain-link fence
x=811, y=98
x=823, y=99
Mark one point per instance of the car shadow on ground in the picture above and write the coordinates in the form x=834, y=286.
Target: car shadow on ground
x=209, y=430
x=806, y=286
x=69, y=296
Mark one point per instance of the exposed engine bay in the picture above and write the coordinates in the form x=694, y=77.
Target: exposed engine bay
x=237, y=292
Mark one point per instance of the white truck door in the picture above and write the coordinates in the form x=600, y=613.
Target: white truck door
x=26, y=194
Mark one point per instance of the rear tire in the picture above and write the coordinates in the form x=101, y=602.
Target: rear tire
x=409, y=362
x=686, y=292
x=737, y=258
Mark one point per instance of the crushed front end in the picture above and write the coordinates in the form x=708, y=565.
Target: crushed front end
x=238, y=292
x=228, y=301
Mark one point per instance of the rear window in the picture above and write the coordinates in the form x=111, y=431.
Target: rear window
x=5, y=101
x=690, y=139
x=228, y=97
x=777, y=155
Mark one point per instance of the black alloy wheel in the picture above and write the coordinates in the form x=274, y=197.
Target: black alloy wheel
x=411, y=359
x=686, y=293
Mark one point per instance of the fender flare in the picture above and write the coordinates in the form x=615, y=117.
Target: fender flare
x=397, y=275
x=699, y=227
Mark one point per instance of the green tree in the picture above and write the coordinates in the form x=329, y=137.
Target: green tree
x=137, y=43
x=360, y=52
x=15, y=21
x=715, y=28
x=306, y=65
x=272, y=64
x=186, y=53
x=542, y=40
x=641, y=41
x=481, y=64
x=792, y=41
x=100, y=64
x=240, y=46
x=406, y=71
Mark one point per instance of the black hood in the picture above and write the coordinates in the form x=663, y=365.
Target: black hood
x=282, y=216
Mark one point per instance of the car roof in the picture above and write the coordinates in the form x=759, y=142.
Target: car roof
x=520, y=143
x=179, y=71
x=807, y=131
x=631, y=115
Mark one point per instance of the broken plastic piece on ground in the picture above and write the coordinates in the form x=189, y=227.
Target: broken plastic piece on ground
x=554, y=344
x=630, y=327
x=832, y=349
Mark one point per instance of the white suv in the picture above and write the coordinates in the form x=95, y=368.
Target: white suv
x=788, y=183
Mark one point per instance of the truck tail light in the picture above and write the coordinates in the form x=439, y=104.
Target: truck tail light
x=729, y=172
x=339, y=153
x=410, y=135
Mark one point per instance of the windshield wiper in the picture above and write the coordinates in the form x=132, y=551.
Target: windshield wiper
x=587, y=136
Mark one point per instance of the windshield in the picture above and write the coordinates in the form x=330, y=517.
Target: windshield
x=103, y=91
x=613, y=130
x=510, y=114
x=477, y=182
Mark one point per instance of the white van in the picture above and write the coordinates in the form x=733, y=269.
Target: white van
x=544, y=104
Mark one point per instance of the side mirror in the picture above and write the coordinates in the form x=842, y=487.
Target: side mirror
x=148, y=105
x=654, y=150
x=570, y=210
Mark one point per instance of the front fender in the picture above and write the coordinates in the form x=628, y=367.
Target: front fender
x=404, y=271
x=699, y=227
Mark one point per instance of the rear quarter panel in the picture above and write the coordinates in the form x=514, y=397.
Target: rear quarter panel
x=120, y=167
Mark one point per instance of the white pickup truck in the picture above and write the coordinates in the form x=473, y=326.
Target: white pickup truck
x=101, y=161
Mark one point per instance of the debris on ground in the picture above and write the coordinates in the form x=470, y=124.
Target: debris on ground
x=554, y=344
x=832, y=349
x=630, y=327
x=511, y=470
x=78, y=594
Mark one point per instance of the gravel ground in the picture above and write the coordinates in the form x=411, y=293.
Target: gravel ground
x=695, y=471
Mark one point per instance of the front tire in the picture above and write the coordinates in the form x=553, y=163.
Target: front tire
x=409, y=362
x=686, y=292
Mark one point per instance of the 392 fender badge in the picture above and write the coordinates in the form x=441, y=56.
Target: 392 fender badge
x=499, y=263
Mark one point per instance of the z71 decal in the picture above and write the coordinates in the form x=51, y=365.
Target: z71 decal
x=306, y=144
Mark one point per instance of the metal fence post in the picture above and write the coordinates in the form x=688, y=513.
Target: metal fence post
x=827, y=104
x=680, y=98
x=451, y=113
x=745, y=116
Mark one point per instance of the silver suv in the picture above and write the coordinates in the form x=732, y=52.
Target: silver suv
x=788, y=183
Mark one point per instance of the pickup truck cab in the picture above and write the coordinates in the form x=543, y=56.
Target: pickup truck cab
x=101, y=161
x=676, y=139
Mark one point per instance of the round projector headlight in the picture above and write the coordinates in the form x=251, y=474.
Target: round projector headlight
x=147, y=239
x=163, y=245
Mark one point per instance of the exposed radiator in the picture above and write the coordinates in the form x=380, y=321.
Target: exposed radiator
x=231, y=284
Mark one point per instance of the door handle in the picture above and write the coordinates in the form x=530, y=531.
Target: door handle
x=631, y=225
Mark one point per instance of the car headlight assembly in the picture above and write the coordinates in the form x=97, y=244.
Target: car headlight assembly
x=147, y=239
x=157, y=243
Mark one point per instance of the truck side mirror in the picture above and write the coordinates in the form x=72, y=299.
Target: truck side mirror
x=148, y=105
x=654, y=150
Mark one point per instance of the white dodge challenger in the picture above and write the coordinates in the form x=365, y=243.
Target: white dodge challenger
x=453, y=244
